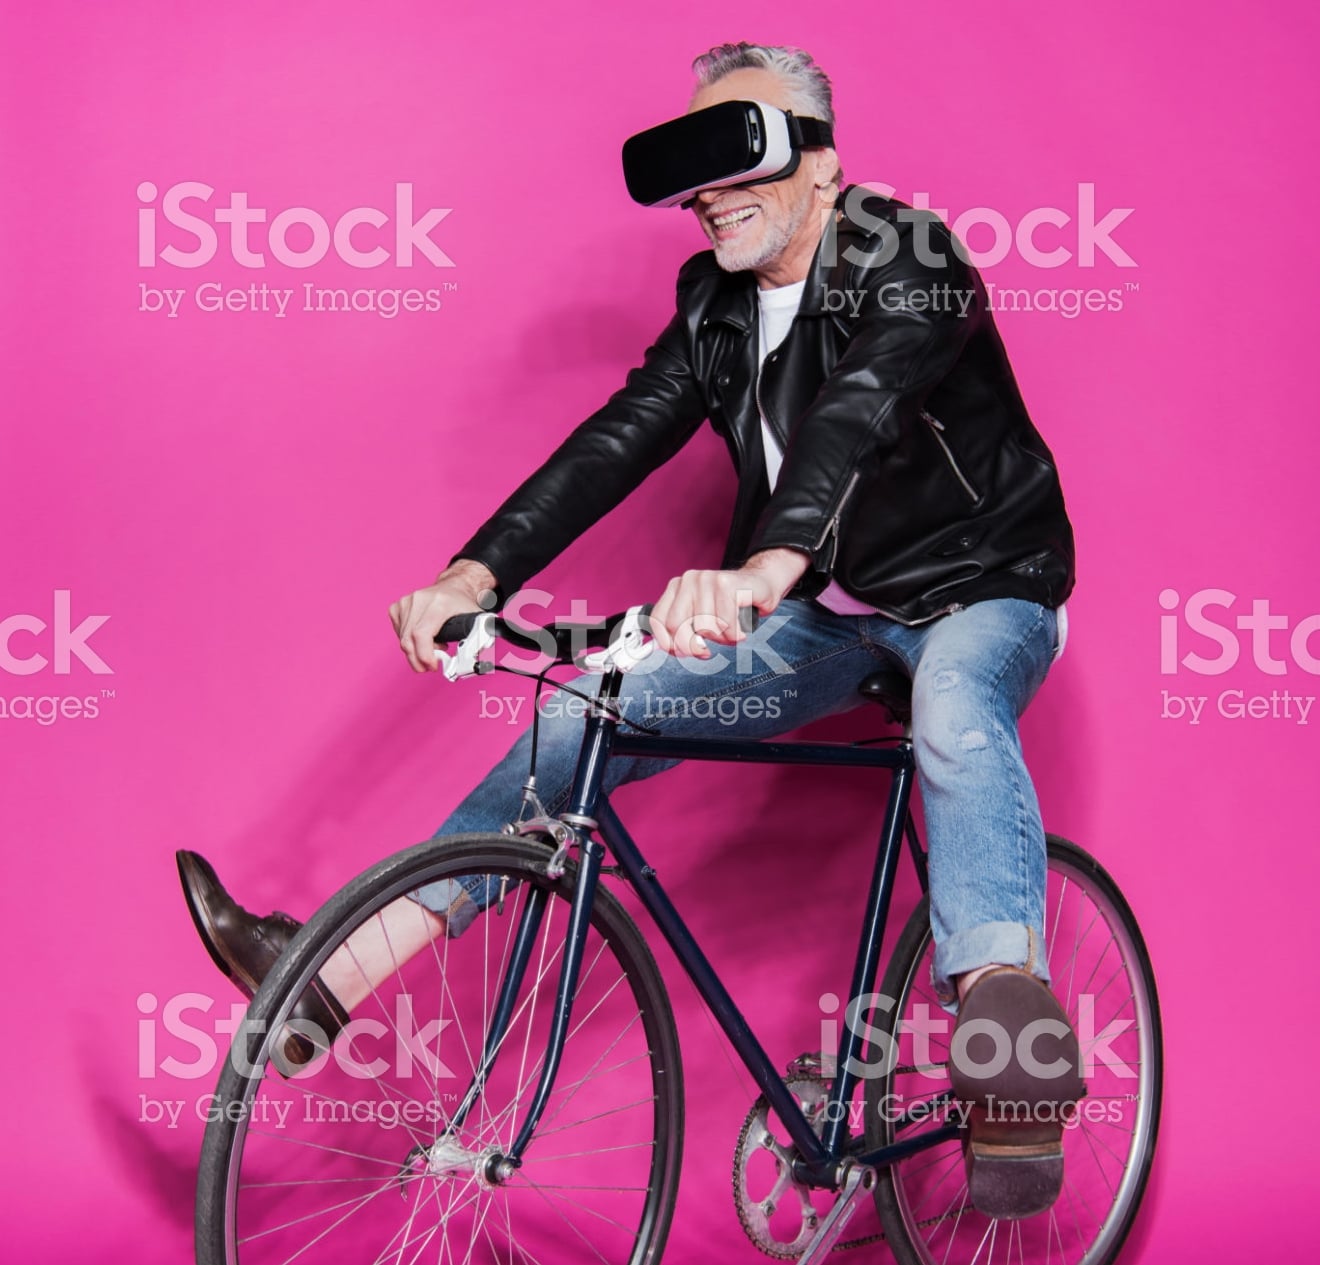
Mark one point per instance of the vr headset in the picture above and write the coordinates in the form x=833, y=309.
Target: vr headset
x=720, y=147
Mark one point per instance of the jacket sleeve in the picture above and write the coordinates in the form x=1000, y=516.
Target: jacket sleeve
x=643, y=424
x=911, y=329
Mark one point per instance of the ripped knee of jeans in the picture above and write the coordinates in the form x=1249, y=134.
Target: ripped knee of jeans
x=945, y=679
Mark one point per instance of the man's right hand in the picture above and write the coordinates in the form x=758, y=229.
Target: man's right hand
x=417, y=617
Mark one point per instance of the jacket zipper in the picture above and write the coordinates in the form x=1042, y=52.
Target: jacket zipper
x=937, y=429
x=832, y=525
x=760, y=408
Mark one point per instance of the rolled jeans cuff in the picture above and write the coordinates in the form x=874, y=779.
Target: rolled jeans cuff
x=998, y=943
x=458, y=901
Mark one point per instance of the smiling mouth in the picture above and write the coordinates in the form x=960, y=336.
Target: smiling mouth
x=728, y=223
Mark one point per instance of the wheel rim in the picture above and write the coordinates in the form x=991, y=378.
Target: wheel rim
x=338, y=1164
x=1099, y=973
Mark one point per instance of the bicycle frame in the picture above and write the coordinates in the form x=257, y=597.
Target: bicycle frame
x=823, y=1161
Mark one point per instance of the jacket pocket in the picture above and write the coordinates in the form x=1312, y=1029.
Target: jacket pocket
x=1041, y=568
x=937, y=430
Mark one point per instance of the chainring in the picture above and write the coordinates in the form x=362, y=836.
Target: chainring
x=772, y=1205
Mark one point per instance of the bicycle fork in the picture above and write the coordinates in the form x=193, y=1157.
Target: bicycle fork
x=445, y=1154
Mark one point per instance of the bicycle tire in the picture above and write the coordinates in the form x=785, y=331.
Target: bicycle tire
x=598, y=1180
x=1095, y=948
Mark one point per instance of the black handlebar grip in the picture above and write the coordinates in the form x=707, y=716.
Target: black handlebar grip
x=748, y=618
x=456, y=627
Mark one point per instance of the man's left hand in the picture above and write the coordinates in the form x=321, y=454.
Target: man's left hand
x=701, y=606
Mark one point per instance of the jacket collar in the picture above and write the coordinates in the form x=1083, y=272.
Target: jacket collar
x=734, y=302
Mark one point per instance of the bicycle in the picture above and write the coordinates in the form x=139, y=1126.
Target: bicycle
x=534, y=1107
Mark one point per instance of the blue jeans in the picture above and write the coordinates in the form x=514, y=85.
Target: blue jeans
x=973, y=674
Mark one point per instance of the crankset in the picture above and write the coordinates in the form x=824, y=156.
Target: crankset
x=778, y=1213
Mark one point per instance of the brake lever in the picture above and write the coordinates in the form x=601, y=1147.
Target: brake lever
x=631, y=645
x=463, y=662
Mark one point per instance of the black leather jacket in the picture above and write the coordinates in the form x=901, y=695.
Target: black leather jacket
x=912, y=474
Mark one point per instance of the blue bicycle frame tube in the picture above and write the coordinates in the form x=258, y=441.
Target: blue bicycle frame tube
x=868, y=957
x=583, y=893
x=513, y=976
x=712, y=990
x=589, y=807
x=596, y=742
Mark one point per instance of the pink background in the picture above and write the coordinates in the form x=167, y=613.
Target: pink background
x=244, y=495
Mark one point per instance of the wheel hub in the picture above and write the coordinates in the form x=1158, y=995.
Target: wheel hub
x=447, y=1157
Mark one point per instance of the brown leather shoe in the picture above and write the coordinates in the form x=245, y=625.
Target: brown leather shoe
x=1014, y=1144
x=242, y=945
x=245, y=947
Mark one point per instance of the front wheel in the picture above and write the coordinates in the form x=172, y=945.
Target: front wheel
x=387, y=1147
x=1101, y=973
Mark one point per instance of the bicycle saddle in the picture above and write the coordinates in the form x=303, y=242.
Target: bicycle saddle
x=892, y=689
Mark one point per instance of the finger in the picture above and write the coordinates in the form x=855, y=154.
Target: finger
x=686, y=614
x=417, y=647
x=409, y=648
x=678, y=622
x=424, y=657
x=660, y=615
x=740, y=599
x=704, y=628
x=714, y=617
x=399, y=613
x=701, y=618
x=428, y=630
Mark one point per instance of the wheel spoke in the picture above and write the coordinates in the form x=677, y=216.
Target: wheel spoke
x=1098, y=966
x=601, y=1172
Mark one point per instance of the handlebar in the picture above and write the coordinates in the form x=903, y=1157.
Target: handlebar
x=562, y=640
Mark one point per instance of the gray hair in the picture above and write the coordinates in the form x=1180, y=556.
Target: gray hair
x=807, y=83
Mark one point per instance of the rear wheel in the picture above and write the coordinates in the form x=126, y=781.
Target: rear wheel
x=384, y=1148
x=1101, y=974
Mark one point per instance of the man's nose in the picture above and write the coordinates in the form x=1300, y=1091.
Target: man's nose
x=707, y=196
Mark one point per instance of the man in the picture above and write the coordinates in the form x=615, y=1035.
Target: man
x=895, y=505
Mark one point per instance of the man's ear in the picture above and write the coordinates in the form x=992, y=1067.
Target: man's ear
x=826, y=167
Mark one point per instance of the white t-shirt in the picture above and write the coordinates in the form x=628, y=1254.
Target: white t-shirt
x=778, y=307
